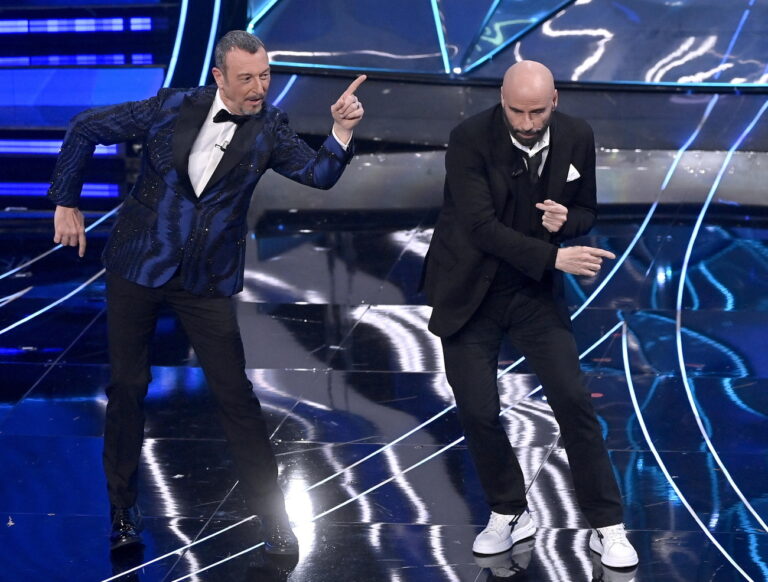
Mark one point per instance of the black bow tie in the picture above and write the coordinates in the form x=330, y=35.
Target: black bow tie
x=224, y=115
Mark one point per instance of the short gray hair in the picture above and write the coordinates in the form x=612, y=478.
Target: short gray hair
x=236, y=39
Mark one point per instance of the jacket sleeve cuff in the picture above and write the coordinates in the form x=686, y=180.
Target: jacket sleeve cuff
x=336, y=151
x=552, y=258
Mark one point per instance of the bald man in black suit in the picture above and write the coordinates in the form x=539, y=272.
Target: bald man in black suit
x=520, y=179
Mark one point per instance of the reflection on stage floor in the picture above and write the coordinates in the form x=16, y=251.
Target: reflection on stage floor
x=378, y=479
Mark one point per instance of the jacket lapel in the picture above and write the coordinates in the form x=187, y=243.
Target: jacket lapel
x=506, y=157
x=240, y=145
x=559, y=157
x=192, y=114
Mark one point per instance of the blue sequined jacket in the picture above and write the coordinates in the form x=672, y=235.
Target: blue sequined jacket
x=163, y=227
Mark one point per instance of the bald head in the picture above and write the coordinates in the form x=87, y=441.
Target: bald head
x=530, y=79
x=528, y=97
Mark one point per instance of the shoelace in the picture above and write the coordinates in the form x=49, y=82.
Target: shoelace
x=613, y=534
x=499, y=521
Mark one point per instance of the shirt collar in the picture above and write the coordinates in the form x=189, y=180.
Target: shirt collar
x=218, y=105
x=540, y=145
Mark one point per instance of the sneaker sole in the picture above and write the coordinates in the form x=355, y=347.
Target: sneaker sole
x=517, y=536
x=596, y=546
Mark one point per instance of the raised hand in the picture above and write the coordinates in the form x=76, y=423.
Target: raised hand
x=581, y=260
x=347, y=111
x=69, y=228
x=554, y=216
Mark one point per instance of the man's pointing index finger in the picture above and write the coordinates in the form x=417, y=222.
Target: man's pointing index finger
x=354, y=85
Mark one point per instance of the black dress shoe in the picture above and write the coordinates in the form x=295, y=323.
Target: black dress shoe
x=126, y=525
x=278, y=536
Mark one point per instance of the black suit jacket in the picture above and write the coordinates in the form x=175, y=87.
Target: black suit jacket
x=483, y=173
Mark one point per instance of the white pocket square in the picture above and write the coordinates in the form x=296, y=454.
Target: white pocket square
x=573, y=174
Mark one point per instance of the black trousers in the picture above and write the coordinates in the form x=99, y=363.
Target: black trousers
x=531, y=323
x=211, y=325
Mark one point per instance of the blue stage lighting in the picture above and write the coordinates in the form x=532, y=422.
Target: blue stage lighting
x=70, y=60
x=138, y=24
x=45, y=147
x=40, y=189
x=142, y=59
x=14, y=26
x=177, y=43
x=59, y=25
x=68, y=25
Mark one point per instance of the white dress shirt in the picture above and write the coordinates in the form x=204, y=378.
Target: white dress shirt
x=540, y=146
x=210, y=143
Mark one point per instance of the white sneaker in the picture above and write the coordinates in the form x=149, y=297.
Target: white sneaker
x=503, y=531
x=613, y=546
x=602, y=573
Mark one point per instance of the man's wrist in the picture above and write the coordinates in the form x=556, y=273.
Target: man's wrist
x=339, y=134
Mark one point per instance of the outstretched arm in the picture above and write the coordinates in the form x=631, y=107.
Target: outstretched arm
x=294, y=159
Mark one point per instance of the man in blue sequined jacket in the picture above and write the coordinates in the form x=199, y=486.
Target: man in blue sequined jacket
x=179, y=239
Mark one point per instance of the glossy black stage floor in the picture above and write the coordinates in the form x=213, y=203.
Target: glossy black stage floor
x=370, y=450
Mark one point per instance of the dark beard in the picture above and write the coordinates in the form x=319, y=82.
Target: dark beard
x=526, y=141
